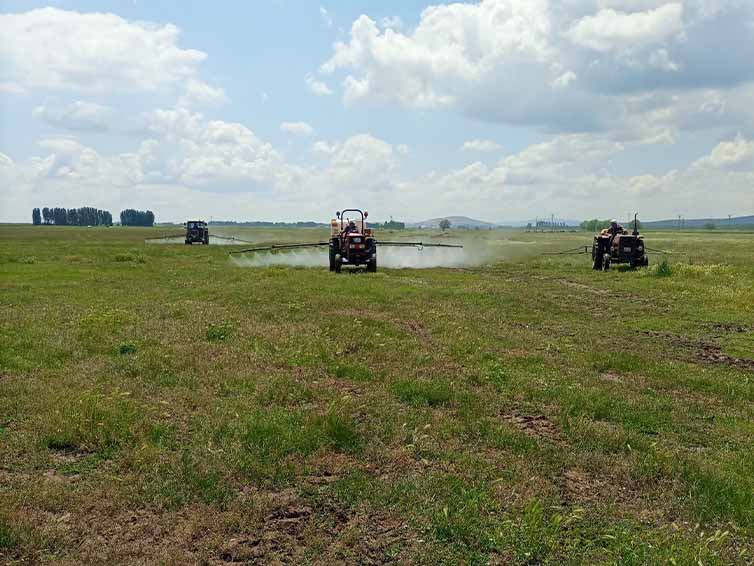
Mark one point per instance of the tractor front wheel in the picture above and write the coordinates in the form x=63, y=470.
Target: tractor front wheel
x=606, y=263
x=338, y=265
x=372, y=265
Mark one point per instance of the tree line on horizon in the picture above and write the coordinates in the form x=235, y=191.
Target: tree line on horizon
x=389, y=225
x=89, y=216
x=595, y=225
x=131, y=217
x=83, y=216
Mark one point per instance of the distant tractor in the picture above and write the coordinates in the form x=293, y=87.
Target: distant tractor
x=609, y=248
x=197, y=232
x=351, y=242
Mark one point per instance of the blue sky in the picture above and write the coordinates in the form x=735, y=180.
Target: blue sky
x=500, y=109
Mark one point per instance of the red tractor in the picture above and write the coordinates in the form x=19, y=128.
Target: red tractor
x=609, y=248
x=351, y=242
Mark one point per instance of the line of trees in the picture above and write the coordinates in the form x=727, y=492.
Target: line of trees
x=131, y=217
x=84, y=216
x=594, y=225
x=390, y=225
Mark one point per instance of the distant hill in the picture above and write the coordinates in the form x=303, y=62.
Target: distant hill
x=736, y=222
x=455, y=222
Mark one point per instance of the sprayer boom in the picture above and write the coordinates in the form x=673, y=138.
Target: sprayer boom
x=352, y=242
x=419, y=245
x=165, y=237
x=281, y=247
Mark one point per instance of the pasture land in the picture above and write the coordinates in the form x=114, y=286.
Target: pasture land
x=161, y=404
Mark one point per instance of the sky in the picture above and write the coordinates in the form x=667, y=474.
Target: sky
x=502, y=110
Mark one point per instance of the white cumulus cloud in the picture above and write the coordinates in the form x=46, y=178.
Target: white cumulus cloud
x=734, y=154
x=199, y=93
x=60, y=49
x=576, y=66
x=610, y=29
x=297, y=128
x=317, y=86
x=481, y=145
x=392, y=22
x=80, y=115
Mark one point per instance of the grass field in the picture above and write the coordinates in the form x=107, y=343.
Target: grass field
x=161, y=405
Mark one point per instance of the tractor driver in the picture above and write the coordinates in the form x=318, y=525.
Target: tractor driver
x=614, y=229
x=351, y=227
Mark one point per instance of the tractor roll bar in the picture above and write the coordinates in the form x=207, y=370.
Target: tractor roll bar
x=342, y=212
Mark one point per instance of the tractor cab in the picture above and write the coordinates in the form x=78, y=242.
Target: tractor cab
x=619, y=248
x=197, y=232
x=352, y=241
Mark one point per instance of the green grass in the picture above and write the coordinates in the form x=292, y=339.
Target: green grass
x=219, y=332
x=126, y=348
x=528, y=411
x=418, y=393
x=8, y=538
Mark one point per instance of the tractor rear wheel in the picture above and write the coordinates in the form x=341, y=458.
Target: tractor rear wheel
x=332, y=259
x=597, y=263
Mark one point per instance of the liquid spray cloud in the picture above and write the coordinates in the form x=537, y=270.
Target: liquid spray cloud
x=388, y=257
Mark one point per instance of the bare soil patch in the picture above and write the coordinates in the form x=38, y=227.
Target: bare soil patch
x=55, y=476
x=580, y=487
x=611, y=376
x=417, y=329
x=702, y=351
x=279, y=541
x=537, y=426
x=729, y=328
x=62, y=457
x=329, y=468
x=289, y=532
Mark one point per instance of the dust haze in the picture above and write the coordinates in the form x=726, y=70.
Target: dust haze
x=213, y=241
x=387, y=257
